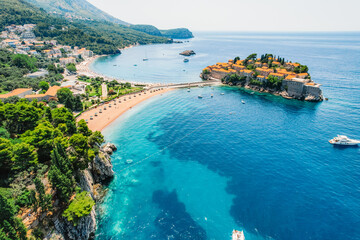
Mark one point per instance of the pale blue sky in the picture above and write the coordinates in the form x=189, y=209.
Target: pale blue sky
x=239, y=15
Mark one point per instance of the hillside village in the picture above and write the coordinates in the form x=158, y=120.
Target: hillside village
x=267, y=74
x=61, y=59
x=21, y=40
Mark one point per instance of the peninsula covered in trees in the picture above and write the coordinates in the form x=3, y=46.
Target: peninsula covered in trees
x=267, y=73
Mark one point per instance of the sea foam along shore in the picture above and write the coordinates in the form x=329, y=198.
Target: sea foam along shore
x=107, y=116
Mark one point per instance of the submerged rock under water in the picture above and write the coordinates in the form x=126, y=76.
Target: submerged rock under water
x=174, y=222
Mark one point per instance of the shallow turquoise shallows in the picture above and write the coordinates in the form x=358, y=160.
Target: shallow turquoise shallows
x=190, y=168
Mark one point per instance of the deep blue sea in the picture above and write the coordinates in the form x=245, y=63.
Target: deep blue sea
x=189, y=168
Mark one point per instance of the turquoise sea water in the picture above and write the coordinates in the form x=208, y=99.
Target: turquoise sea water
x=190, y=168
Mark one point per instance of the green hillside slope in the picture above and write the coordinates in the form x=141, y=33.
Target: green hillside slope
x=149, y=29
x=179, y=33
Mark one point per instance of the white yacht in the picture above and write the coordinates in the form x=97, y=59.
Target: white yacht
x=238, y=235
x=344, y=140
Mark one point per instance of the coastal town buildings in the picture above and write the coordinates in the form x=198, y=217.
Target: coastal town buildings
x=76, y=87
x=19, y=92
x=27, y=93
x=50, y=93
x=22, y=40
x=64, y=61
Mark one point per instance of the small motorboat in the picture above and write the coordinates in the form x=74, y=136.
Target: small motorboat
x=222, y=93
x=238, y=235
x=200, y=96
x=186, y=60
x=188, y=90
x=212, y=95
x=242, y=101
x=145, y=59
x=344, y=140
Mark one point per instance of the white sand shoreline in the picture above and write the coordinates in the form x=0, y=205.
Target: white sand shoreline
x=117, y=108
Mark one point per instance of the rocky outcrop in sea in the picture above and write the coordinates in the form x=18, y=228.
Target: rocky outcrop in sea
x=187, y=53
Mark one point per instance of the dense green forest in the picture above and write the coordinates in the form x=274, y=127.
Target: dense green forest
x=99, y=36
x=149, y=29
x=13, y=67
x=35, y=142
x=178, y=33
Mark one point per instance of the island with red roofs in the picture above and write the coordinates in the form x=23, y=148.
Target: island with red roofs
x=268, y=73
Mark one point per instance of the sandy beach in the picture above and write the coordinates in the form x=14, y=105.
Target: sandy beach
x=99, y=122
x=83, y=68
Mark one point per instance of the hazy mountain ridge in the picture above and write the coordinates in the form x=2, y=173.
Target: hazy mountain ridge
x=76, y=9
x=83, y=10
x=101, y=37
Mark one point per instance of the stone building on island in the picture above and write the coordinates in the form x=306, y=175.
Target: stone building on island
x=294, y=82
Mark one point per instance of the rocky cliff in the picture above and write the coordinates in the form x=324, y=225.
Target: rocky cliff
x=90, y=180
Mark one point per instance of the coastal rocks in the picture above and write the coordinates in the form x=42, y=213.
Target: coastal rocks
x=187, y=53
x=87, y=181
x=83, y=230
x=54, y=235
x=90, y=180
x=102, y=167
x=109, y=148
x=284, y=94
x=312, y=98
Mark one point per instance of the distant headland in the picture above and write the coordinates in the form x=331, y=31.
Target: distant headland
x=267, y=74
